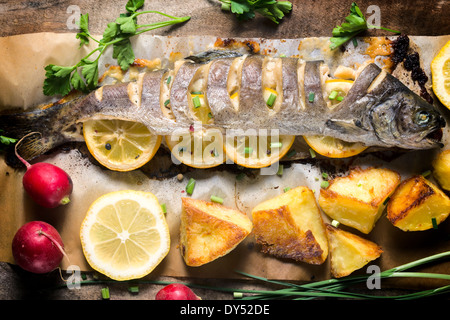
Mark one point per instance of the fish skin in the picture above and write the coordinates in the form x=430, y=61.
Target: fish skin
x=384, y=117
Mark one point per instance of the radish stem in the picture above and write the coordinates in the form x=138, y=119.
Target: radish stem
x=56, y=243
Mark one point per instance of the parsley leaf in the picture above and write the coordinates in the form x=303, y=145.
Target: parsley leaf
x=247, y=9
x=354, y=25
x=61, y=80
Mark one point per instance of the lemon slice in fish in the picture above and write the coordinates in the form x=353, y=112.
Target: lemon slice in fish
x=120, y=145
x=440, y=73
x=197, y=147
x=124, y=234
x=257, y=151
x=335, y=92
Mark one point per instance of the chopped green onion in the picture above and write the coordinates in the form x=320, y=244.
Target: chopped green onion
x=280, y=170
x=240, y=176
x=286, y=189
x=237, y=295
x=282, y=55
x=196, y=102
x=168, y=79
x=248, y=150
x=196, y=93
x=190, y=186
x=210, y=115
x=163, y=207
x=434, y=222
x=276, y=144
x=133, y=289
x=312, y=153
x=291, y=153
x=216, y=199
x=426, y=173
x=340, y=98
x=105, y=293
x=324, y=184
x=271, y=100
x=166, y=102
x=335, y=223
x=311, y=96
x=324, y=175
x=333, y=95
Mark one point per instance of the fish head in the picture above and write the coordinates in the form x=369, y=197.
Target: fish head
x=405, y=120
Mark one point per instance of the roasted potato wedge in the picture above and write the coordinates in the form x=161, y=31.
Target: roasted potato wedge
x=210, y=230
x=290, y=226
x=349, y=252
x=357, y=200
x=415, y=203
x=441, y=169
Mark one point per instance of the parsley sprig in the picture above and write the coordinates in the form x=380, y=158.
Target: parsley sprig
x=247, y=9
x=83, y=76
x=355, y=24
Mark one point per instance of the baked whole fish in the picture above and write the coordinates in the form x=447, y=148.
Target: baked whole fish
x=378, y=110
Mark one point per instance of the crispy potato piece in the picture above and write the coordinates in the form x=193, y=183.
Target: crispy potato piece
x=441, y=169
x=357, y=200
x=210, y=230
x=415, y=204
x=349, y=252
x=290, y=226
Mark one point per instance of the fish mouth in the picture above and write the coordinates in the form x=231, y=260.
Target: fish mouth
x=434, y=137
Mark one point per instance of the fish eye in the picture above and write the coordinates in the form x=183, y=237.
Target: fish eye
x=422, y=117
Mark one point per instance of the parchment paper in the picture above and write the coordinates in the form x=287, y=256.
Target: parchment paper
x=21, y=76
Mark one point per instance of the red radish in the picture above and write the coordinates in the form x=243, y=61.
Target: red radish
x=176, y=291
x=37, y=247
x=47, y=184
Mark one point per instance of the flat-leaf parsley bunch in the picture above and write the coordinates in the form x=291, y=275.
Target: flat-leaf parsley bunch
x=246, y=9
x=83, y=76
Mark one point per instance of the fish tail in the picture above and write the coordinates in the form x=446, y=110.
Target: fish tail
x=39, y=130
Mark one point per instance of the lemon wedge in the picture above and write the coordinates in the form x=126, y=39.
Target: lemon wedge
x=124, y=234
x=120, y=145
x=257, y=151
x=335, y=92
x=440, y=73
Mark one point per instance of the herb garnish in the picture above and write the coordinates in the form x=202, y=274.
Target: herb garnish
x=355, y=24
x=61, y=79
x=247, y=9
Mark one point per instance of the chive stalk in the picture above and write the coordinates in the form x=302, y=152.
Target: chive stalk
x=164, y=208
x=280, y=170
x=340, y=98
x=248, y=150
x=190, y=186
x=271, y=100
x=333, y=95
x=105, y=293
x=311, y=97
x=276, y=144
x=216, y=199
x=324, y=184
x=196, y=102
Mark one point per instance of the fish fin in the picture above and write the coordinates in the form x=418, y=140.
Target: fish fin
x=207, y=56
x=43, y=122
x=353, y=127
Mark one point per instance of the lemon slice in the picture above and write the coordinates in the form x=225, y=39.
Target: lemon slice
x=334, y=148
x=440, y=73
x=335, y=92
x=257, y=151
x=125, y=234
x=198, y=148
x=120, y=145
